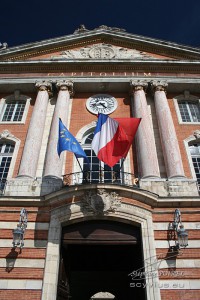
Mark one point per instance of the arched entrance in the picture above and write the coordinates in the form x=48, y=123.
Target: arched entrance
x=96, y=257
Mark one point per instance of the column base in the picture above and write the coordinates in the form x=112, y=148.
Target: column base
x=51, y=184
x=171, y=188
x=27, y=186
x=23, y=186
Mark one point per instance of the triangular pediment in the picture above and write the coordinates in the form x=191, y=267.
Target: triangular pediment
x=103, y=43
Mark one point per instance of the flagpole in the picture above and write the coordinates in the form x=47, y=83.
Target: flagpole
x=122, y=163
x=78, y=163
x=80, y=167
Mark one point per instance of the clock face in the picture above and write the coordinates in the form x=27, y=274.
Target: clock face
x=101, y=103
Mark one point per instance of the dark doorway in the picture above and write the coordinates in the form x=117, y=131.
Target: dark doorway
x=97, y=256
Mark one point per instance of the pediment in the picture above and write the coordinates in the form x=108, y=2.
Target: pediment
x=103, y=43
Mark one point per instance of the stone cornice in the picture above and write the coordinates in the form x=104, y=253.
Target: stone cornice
x=147, y=65
x=100, y=35
x=64, y=197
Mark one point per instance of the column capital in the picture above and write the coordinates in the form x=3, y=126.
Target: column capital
x=137, y=85
x=44, y=85
x=159, y=85
x=64, y=85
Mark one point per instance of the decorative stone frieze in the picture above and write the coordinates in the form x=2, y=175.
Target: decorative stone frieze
x=102, y=51
x=101, y=202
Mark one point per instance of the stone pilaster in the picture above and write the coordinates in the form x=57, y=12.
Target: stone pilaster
x=33, y=141
x=54, y=164
x=146, y=149
x=170, y=146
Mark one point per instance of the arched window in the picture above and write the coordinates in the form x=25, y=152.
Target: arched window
x=98, y=171
x=6, y=153
x=195, y=154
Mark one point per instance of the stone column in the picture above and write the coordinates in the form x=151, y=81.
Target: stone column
x=145, y=142
x=170, y=146
x=33, y=141
x=54, y=164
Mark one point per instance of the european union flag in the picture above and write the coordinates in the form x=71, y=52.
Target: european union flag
x=66, y=141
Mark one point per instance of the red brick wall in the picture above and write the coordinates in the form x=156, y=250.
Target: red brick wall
x=11, y=214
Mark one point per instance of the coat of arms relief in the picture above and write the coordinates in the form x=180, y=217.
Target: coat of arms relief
x=101, y=51
x=100, y=202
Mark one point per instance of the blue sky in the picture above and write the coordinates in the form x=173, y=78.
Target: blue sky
x=27, y=21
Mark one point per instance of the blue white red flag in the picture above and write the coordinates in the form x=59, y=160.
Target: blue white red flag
x=113, y=138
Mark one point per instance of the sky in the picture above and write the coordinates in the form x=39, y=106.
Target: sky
x=23, y=22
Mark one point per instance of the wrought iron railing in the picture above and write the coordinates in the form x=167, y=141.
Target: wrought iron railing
x=88, y=177
x=198, y=186
x=2, y=185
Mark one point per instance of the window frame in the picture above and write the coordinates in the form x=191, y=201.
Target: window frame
x=184, y=97
x=189, y=142
x=14, y=97
x=4, y=154
x=192, y=156
x=101, y=169
x=7, y=137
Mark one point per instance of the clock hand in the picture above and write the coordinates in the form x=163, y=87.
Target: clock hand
x=103, y=104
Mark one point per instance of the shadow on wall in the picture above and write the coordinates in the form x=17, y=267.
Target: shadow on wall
x=11, y=258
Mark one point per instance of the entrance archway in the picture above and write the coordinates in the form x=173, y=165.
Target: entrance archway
x=78, y=212
x=98, y=255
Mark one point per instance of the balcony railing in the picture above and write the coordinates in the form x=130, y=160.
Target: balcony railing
x=2, y=185
x=111, y=177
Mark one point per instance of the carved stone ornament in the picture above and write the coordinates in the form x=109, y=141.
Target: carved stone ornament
x=137, y=85
x=101, y=202
x=159, y=85
x=65, y=85
x=101, y=51
x=105, y=27
x=6, y=134
x=197, y=134
x=81, y=29
x=44, y=85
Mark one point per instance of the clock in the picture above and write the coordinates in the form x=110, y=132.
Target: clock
x=101, y=103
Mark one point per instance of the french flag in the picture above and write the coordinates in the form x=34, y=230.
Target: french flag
x=113, y=138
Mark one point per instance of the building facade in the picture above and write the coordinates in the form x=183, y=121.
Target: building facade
x=96, y=232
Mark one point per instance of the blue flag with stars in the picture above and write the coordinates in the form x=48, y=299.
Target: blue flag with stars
x=67, y=142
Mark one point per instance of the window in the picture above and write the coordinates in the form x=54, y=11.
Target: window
x=189, y=110
x=14, y=108
x=6, y=152
x=99, y=172
x=195, y=154
x=13, y=111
